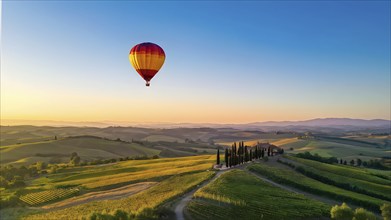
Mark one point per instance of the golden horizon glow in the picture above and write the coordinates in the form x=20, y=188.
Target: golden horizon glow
x=24, y=103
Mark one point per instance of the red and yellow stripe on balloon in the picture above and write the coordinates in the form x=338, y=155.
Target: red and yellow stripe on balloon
x=147, y=59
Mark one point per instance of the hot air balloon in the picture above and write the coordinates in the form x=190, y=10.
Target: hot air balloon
x=147, y=59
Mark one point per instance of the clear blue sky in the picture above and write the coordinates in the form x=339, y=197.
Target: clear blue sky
x=225, y=61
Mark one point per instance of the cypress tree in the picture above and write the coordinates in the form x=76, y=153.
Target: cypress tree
x=245, y=154
x=218, y=157
x=259, y=152
x=226, y=157
x=233, y=156
x=240, y=153
x=229, y=158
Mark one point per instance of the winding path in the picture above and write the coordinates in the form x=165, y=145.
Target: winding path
x=188, y=196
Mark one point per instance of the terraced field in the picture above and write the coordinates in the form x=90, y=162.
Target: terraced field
x=313, y=169
x=345, y=171
x=136, y=172
x=116, y=193
x=46, y=196
x=291, y=177
x=239, y=195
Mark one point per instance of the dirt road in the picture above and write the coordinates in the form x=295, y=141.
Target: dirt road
x=188, y=196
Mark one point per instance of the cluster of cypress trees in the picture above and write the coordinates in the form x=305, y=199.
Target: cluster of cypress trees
x=239, y=154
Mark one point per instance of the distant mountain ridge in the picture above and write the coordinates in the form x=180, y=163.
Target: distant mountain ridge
x=318, y=122
x=323, y=122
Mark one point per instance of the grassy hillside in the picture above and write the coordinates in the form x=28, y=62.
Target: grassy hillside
x=346, y=171
x=139, y=204
x=27, y=134
x=88, y=148
x=356, y=180
x=380, y=140
x=57, y=149
x=25, y=145
x=173, y=176
x=291, y=177
x=239, y=195
x=250, y=140
x=340, y=148
x=154, y=138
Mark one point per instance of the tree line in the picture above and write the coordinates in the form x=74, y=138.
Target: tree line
x=14, y=177
x=241, y=153
x=376, y=164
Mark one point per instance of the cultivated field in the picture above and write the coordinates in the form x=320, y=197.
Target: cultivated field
x=290, y=177
x=240, y=195
x=170, y=177
x=141, y=204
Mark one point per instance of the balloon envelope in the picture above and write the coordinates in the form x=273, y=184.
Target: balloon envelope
x=147, y=59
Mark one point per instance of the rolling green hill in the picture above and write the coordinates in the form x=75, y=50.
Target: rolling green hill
x=290, y=177
x=87, y=147
x=239, y=195
x=336, y=147
x=28, y=144
x=167, y=178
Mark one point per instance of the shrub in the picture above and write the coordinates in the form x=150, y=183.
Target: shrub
x=121, y=215
x=386, y=211
x=10, y=201
x=3, y=182
x=17, y=181
x=117, y=215
x=317, y=157
x=93, y=216
x=342, y=212
x=362, y=214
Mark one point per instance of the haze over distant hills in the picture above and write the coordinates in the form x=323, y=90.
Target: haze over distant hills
x=318, y=122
